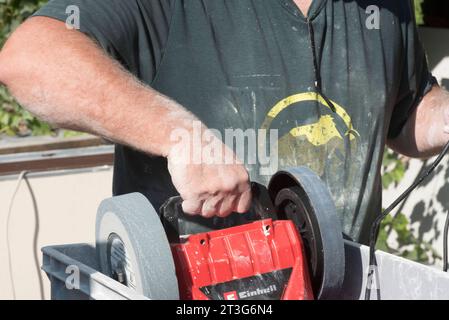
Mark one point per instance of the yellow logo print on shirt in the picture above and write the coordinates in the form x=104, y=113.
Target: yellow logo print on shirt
x=320, y=132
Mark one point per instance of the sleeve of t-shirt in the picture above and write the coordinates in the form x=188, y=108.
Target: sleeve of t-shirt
x=134, y=32
x=416, y=79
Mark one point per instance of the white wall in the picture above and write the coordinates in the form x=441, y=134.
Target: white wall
x=67, y=207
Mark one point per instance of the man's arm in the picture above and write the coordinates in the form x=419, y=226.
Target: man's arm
x=427, y=130
x=66, y=79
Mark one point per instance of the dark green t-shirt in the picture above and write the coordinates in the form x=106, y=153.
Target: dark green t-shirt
x=249, y=64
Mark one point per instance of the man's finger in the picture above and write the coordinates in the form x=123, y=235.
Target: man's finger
x=227, y=206
x=192, y=207
x=244, y=202
x=210, y=206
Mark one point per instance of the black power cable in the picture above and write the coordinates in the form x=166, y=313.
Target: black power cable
x=317, y=69
x=446, y=228
x=376, y=225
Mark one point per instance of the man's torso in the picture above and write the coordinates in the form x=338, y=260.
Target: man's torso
x=248, y=64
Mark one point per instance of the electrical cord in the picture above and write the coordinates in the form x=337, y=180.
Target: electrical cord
x=316, y=68
x=8, y=243
x=446, y=228
x=23, y=177
x=36, y=238
x=376, y=225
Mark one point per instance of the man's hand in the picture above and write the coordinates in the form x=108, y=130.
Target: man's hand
x=210, y=189
x=65, y=78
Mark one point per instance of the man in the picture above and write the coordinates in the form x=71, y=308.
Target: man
x=335, y=88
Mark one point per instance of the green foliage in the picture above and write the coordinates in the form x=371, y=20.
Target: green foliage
x=406, y=245
x=419, y=12
x=394, y=169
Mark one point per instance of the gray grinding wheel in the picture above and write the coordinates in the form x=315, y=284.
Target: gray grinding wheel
x=301, y=196
x=132, y=247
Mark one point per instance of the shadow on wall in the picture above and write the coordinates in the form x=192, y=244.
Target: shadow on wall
x=428, y=205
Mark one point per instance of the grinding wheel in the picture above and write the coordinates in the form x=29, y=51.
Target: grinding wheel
x=132, y=247
x=301, y=196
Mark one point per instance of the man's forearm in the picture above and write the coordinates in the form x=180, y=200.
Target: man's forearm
x=63, y=77
x=427, y=130
x=66, y=79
